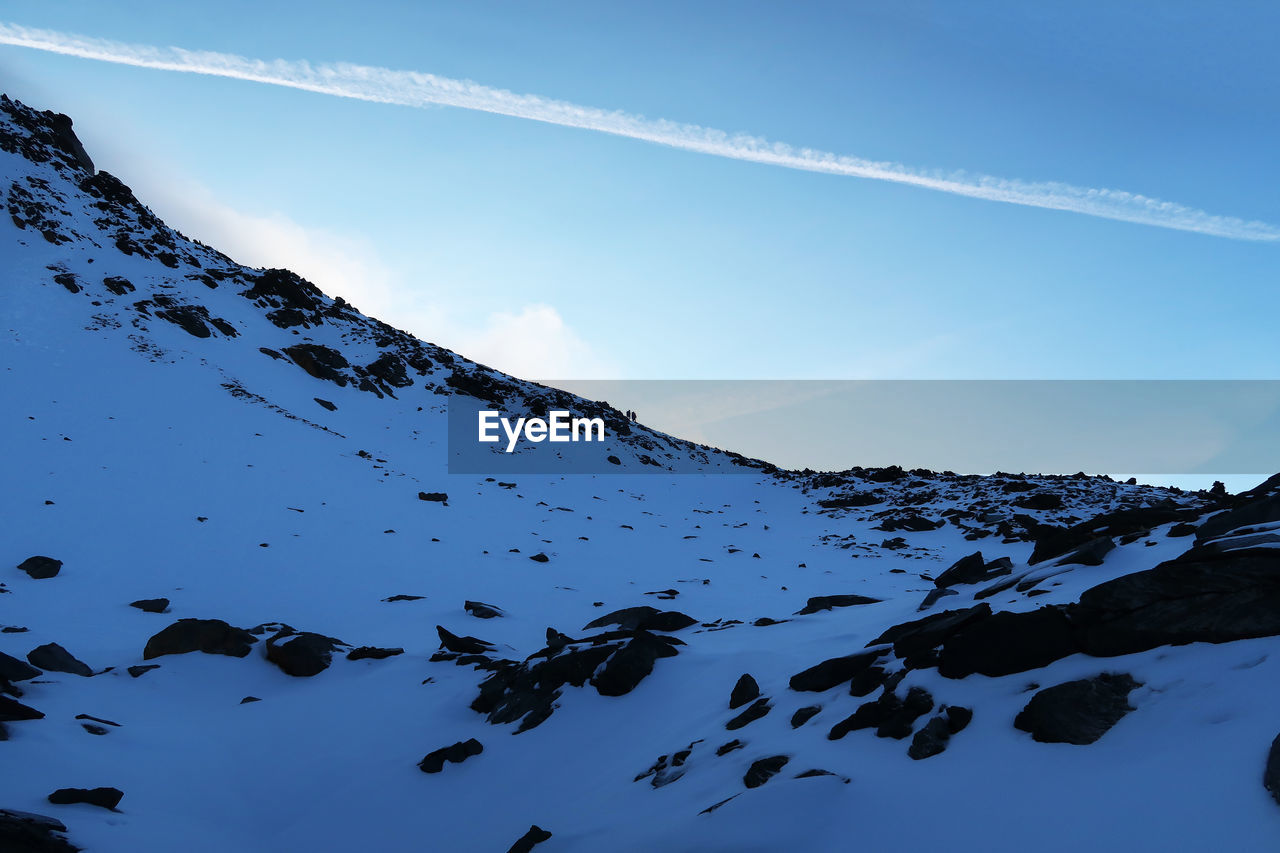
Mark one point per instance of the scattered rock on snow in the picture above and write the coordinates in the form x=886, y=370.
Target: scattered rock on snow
x=372, y=653
x=758, y=709
x=433, y=762
x=1077, y=712
x=12, y=669
x=643, y=618
x=525, y=843
x=744, y=691
x=764, y=769
x=833, y=672
x=107, y=798
x=52, y=657
x=151, y=605
x=301, y=654
x=480, y=610
x=40, y=568
x=211, y=636
x=23, y=832
x=827, y=602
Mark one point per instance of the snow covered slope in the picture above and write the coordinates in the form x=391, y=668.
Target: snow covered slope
x=179, y=427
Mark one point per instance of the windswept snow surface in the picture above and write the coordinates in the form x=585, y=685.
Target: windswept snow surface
x=128, y=457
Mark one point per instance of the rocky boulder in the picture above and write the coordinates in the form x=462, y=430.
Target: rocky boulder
x=1077, y=712
x=211, y=636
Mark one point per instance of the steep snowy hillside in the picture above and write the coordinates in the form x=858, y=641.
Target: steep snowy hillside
x=240, y=589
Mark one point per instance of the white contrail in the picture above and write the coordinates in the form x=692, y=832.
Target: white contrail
x=416, y=89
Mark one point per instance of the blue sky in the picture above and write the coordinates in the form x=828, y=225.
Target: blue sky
x=555, y=252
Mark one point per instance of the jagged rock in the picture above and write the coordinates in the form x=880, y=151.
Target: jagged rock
x=1077, y=712
x=433, y=762
x=934, y=596
x=1090, y=553
x=151, y=605
x=12, y=669
x=540, y=558
x=888, y=715
x=320, y=361
x=1005, y=643
x=869, y=680
x=628, y=666
x=372, y=653
x=106, y=798
x=404, y=598
x=1040, y=500
x=725, y=749
x=301, y=654
x=643, y=618
x=1261, y=510
x=211, y=636
x=826, y=602
x=931, y=740
x=802, y=716
x=40, y=568
x=1216, y=598
x=833, y=672
x=764, y=769
x=525, y=843
x=758, y=709
x=919, y=636
x=973, y=569
x=958, y=718
x=481, y=610
x=52, y=657
x=900, y=717
x=23, y=832
x=12, y=711
x=1271, y=772
x=744, y=691
x=462, y=645
x=142, y=669
x=249, y=700
x=433, y=497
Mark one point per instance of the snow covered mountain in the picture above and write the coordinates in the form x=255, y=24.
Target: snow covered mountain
x=246, y=608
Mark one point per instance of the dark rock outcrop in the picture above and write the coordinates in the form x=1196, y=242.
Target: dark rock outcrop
x=211, y=636
x=52, y=657
x=827, y=602
x=462, y=645
x=372, y=653
x=40, y=568
x=973, y=569
x=12, y=669
x=433, y=762
x=23, y=832
x=151, y=605
x=643, y=618
x=833, y=672
x=1005, y=643
x=922, y=635
x=1077, y=712
x=12, y=711
x=1214, y=598
x=106, y=798
x=745, y=690
x=480, y=610
x=1271, y=772
x=764, y=769
x=525, y=843
x=301, y=654
x=757, y=709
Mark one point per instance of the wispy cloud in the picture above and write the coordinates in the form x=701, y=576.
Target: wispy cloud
x=417, y=89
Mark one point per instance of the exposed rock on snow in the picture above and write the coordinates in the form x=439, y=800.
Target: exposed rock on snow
x=525, y=843
x=23, y=832
x=744, y=690
x=434, y=762
x=764, y=769
x=211, y=636
x=1077, y=712
x=106, y=798
x=827, y=602
x=151, y=605
x=40, y=568
x=52, y=657
x=301, y=653
x=834, y=671
x=643, y=618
